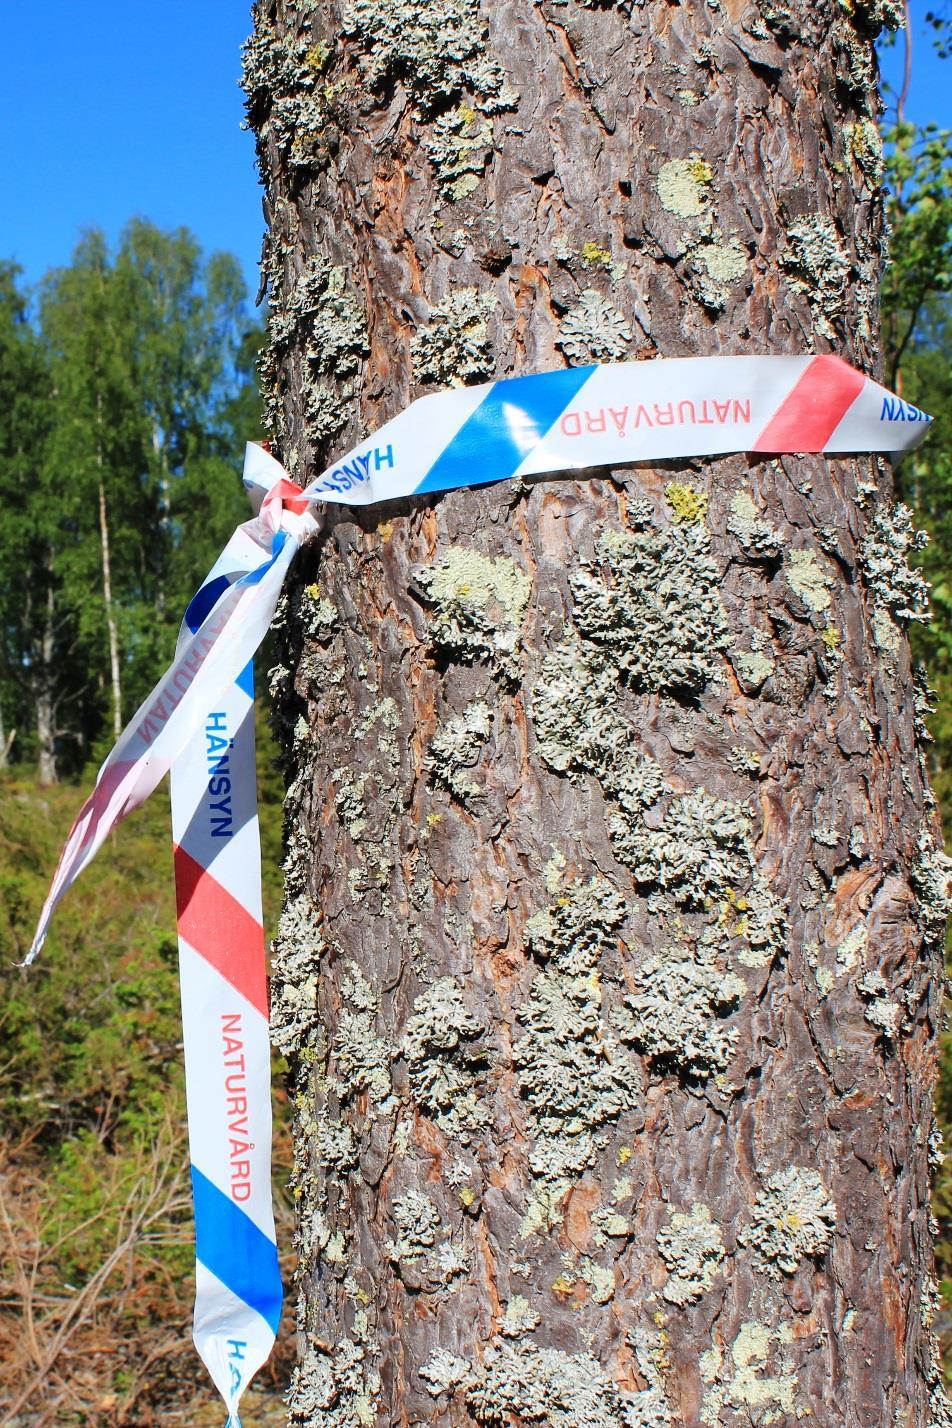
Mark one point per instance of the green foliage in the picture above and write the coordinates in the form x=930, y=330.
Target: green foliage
x=95, y=1211
x=126, y=403
x=917, y=341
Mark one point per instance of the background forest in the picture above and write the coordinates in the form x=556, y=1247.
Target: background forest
x=127, y=391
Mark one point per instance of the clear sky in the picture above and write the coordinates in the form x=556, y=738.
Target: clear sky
x=119, y=108
x=116, y=108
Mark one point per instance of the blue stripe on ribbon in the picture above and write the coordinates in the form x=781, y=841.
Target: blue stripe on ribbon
x=232, y=1247
x=509, y=422
x=255, y=577
x=204, y=601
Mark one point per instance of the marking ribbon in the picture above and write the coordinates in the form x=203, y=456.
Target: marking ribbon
x=198, y=722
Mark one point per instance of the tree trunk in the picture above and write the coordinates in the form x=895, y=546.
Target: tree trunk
x=609, y=966
x=44, y=681
x=112, y=627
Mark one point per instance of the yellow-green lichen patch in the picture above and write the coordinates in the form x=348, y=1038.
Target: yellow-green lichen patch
x=478, y=606
x=723, y=262
x=594, y=329
x=692, y=1247
x=688, y=505
x=593, y=256
x=753, y=667
x=792, y=1219
x=806, y=579
x=455, y=348
x=740, y=1382
x=448, y=1060
x=684, y=185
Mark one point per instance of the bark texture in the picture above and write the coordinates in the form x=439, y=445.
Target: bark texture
x=609, y=966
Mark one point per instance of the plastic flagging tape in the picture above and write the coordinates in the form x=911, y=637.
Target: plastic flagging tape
x=198, y=722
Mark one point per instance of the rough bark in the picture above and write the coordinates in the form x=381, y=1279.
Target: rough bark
x=609, y=965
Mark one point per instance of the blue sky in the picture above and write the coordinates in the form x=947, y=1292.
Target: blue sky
x=133, y=108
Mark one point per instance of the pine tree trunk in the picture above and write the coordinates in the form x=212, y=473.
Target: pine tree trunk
x=609, y=966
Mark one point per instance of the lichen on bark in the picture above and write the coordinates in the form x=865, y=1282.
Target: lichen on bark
x=592, y=782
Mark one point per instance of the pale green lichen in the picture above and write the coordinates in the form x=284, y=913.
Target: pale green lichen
x=361, y=1056
x=455, y=347
x=931, y=877
x=478, y=607
x=600, y=1279
x=881, y=1011
x=459, y=144
x=756, y=535
x=677, y=1015
x=321, y=317
x=806, y=579
x=753, y=667
x=578, y=928
x=448, y=1059
x=851, y=949
x=594, y=330
x=696, y=848
x=819, y=267
x=296, y=952
x=742, y=1385
x=524, y=1383
x=519, y=1318
x=692, y=1247
x=418, y=1223
x=722, y=262
x=444, y=1372
x=337, y=1388
x=290, y=103
x=349, y=800
x=864, y=142
x=572, y=1072
x=437, y=48
x=684, y=187
x=899, y=593
x=455, y=748
x=649, y=603
x=792, y=1219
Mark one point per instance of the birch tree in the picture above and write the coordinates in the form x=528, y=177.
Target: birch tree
x=609, y=966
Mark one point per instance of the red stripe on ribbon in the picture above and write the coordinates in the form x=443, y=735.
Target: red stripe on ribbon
x=220, y=929
x=807, y=419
